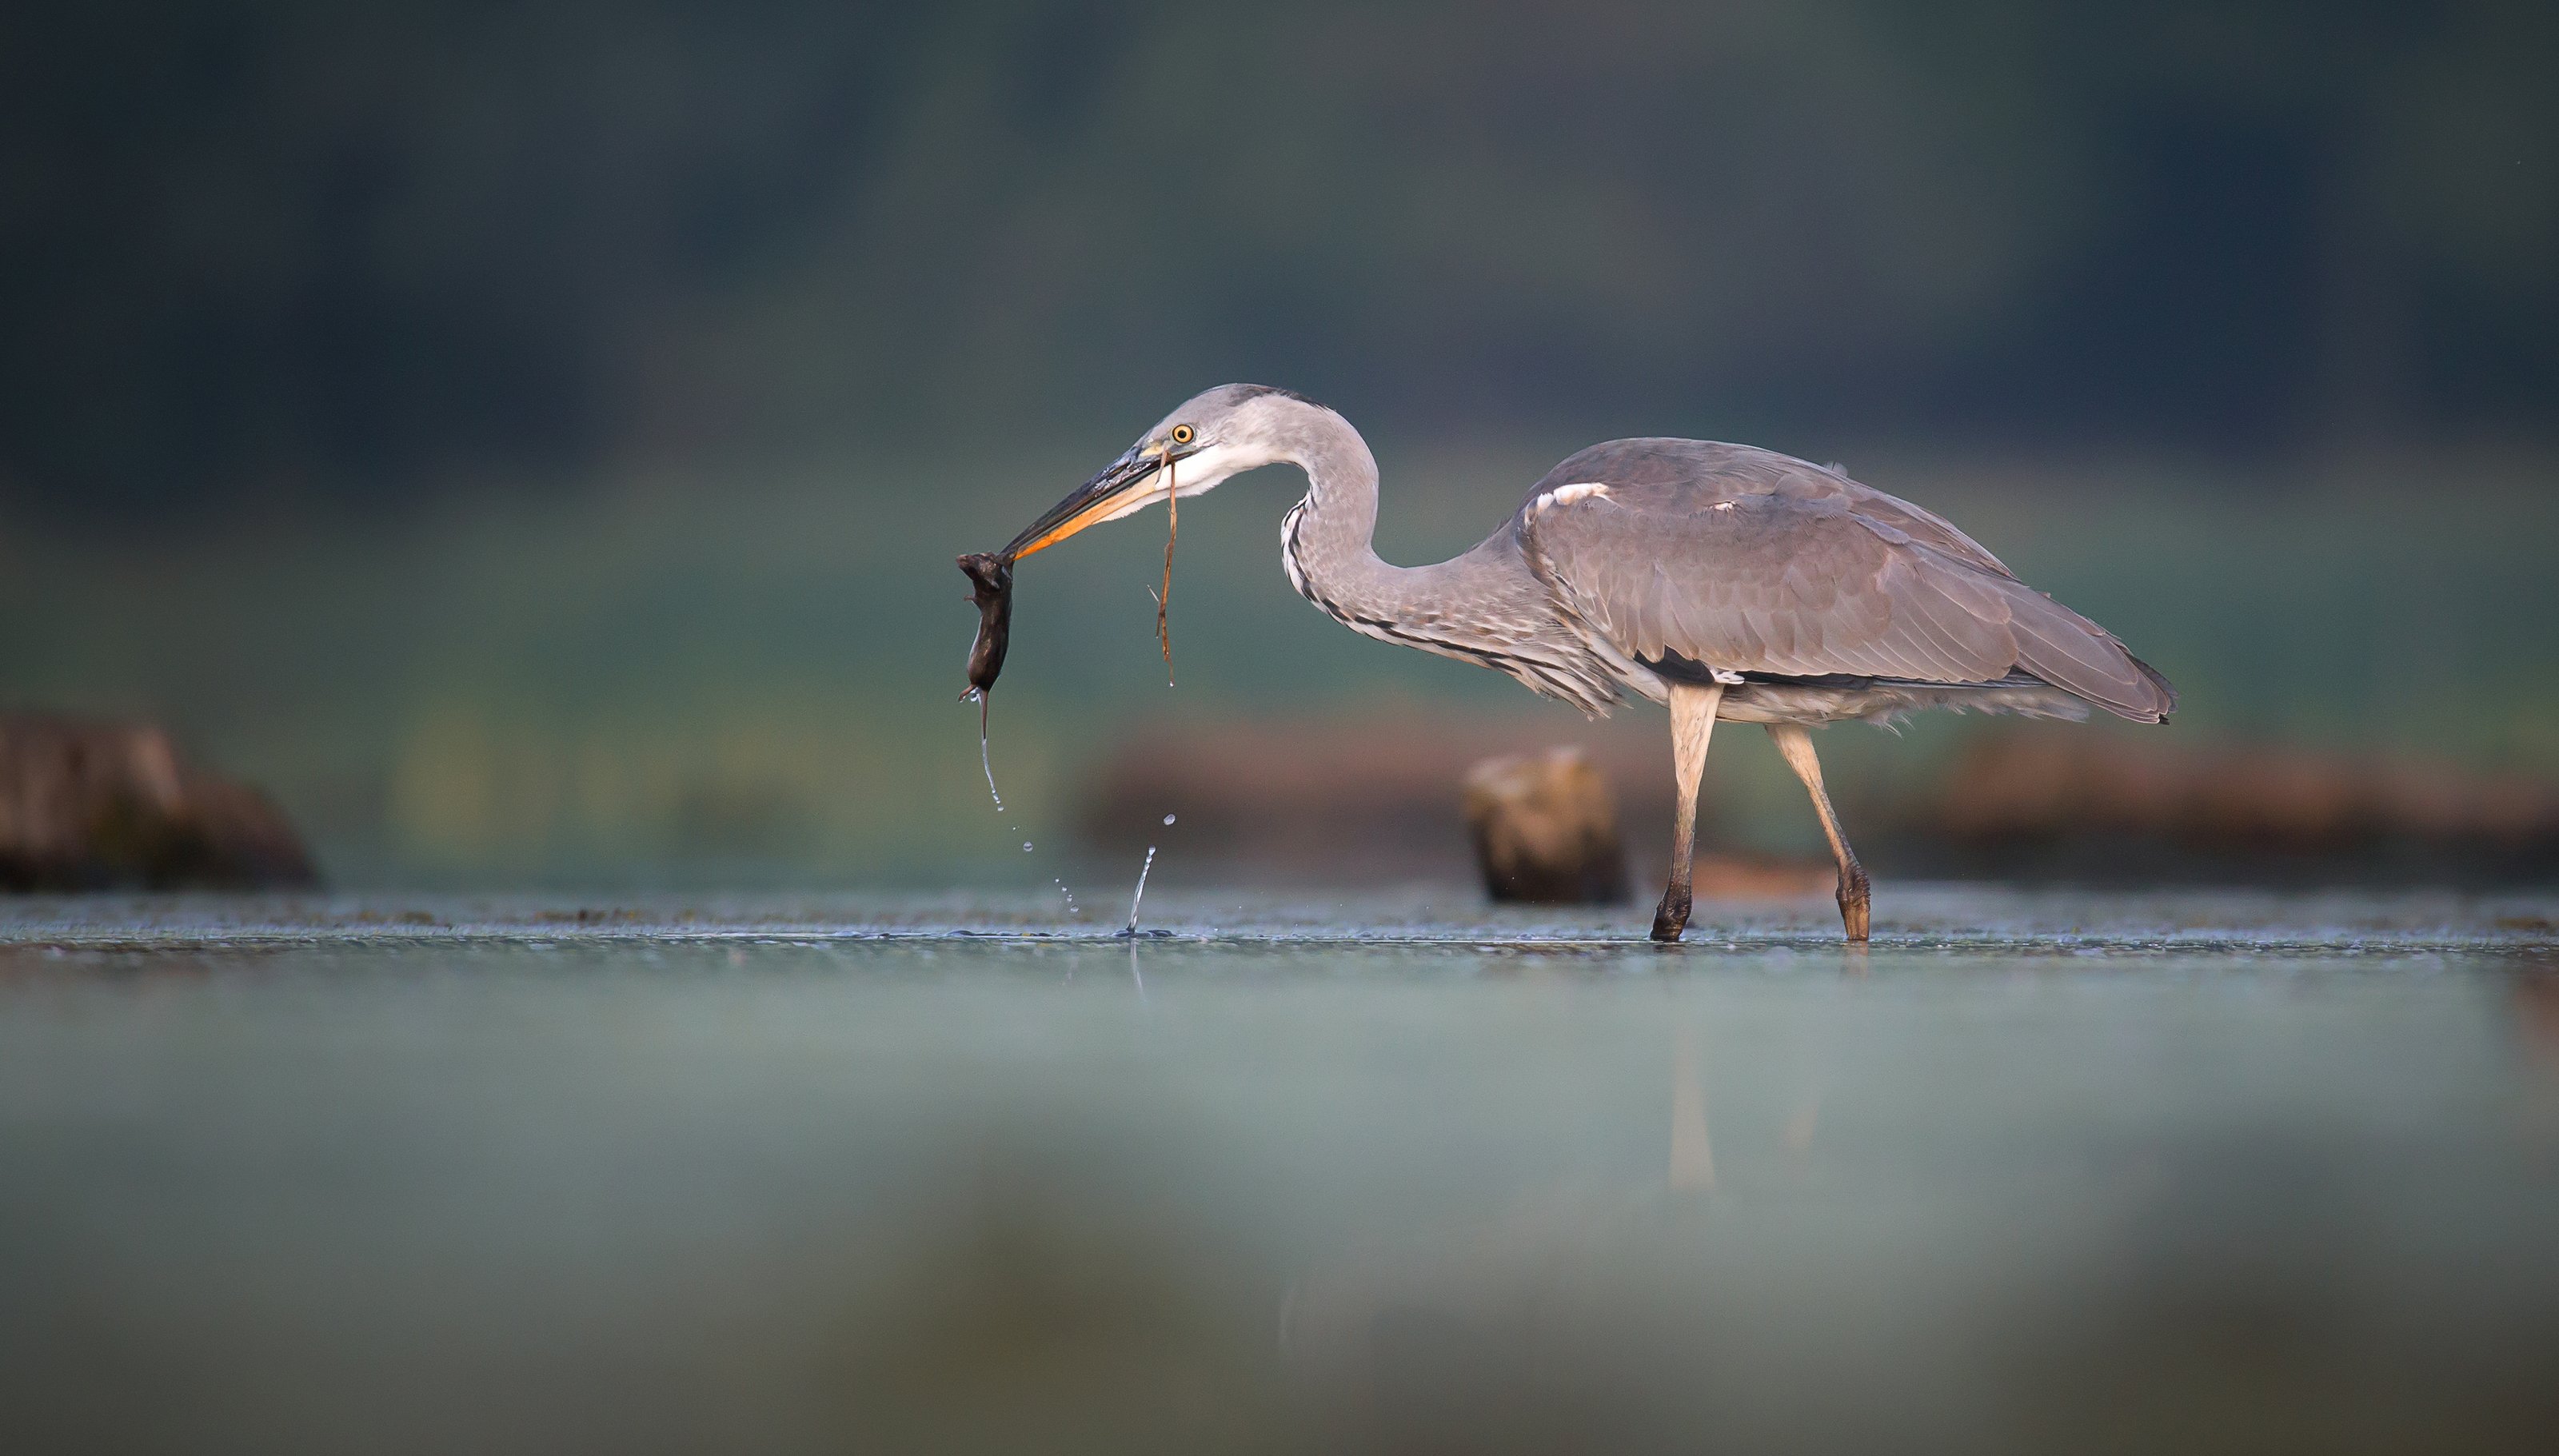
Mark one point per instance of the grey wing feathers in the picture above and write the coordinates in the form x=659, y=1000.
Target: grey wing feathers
x=1717, y=471
x=1804, y=580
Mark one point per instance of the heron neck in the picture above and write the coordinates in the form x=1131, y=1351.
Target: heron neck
x=1334, y=547
x=1339, y=530
x=1336, y=527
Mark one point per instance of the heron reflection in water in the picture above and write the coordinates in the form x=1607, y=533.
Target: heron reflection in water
x=1722, y=581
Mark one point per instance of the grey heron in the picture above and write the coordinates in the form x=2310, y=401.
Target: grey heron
x=1722, y=581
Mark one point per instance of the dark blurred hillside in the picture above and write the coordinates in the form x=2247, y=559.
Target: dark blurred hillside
x=287, y=252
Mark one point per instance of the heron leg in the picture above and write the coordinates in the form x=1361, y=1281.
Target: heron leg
x=1797, y=747
x=1691, y=724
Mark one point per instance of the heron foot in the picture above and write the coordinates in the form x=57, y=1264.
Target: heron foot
x=1672, y=918
x=1853, y=901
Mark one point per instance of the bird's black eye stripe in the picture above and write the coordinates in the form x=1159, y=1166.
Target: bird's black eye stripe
x=1184, y=435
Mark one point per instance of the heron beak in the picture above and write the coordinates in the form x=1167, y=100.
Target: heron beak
x=1123, y=485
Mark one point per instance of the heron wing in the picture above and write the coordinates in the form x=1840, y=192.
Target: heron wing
x=1720, y=573
x=1703, y=472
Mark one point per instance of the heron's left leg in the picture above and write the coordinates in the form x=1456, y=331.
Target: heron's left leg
x=1691, y=724
x=1797, y=747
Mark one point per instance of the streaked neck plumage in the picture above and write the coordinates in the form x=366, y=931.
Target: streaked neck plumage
x=1485, y=606
x=1328, y=542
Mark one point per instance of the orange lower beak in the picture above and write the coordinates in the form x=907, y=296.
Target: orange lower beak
x=1091, y=514
x=1126, y=484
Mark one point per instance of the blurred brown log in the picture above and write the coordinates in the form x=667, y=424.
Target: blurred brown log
x=2025, y=787
x=1335, y=799
x=1355, y=798
x=88, y=805
x=1545, y=830
x=1332, y=799
x=1760, y=877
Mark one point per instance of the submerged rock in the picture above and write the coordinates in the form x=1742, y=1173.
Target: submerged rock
x=1546, y=829
x=88, y=806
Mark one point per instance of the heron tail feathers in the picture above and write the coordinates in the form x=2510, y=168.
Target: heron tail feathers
x=2080, y=657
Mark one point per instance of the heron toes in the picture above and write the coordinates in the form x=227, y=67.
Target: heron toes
x=1672, y=918
x=1854, y=899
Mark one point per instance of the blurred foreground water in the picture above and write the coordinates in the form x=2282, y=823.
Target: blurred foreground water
x=2038, y=1172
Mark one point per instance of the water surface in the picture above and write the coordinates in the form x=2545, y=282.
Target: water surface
x=2036, y=1172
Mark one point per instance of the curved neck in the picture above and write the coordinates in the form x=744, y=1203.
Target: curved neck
x=1337, y=526
x=1332, y=558
x=1485, y=606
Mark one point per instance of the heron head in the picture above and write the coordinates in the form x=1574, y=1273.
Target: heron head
x=1213, y=435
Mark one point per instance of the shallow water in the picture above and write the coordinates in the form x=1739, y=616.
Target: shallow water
x=2036, y=1172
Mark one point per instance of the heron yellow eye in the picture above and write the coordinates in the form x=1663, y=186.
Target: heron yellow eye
x=1184, y=435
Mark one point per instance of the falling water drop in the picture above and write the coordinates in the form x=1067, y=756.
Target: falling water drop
x=1026, y=847
x=1168, y=818
x=986, y=762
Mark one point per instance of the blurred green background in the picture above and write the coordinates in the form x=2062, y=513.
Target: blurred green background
x=531, y=440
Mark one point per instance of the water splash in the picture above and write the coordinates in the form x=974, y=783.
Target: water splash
x=1071, y=908
x=1139, y=898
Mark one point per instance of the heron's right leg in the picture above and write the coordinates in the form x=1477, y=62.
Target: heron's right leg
x=1797, y=747
x=1691, y=724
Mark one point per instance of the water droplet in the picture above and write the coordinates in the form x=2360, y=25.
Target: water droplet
x=986, y=762
x=1026, y=847
x=1168, y=818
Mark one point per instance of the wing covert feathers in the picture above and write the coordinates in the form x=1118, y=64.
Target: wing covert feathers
x=1747, y=561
